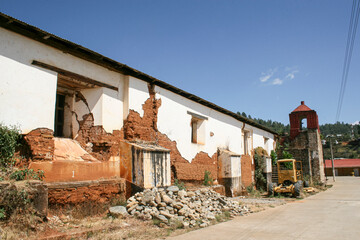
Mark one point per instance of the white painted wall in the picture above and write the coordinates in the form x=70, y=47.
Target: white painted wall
x=175, y=122
x=27, y=92
x=112, y=106
x=258, y=136
x=138, y=94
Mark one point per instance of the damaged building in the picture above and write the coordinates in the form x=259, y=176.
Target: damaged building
x=86, y=117
x=305, y=142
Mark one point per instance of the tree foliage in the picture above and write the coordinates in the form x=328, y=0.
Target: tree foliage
x=347, y=131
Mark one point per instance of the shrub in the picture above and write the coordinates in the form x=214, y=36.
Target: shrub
x=273, y=156
x=260, y=166
x=13, y=200
x=208, y=180
x=286, y=155
x=19, y=175
x=2, y=214
x=9, y=138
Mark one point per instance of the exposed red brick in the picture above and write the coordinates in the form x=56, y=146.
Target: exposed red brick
x=246, y=170
x=41, y=144
x=145, y=129
x=195, y=170
x=101, y=191
x=96, y=141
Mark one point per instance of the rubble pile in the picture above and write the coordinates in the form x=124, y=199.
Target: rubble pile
x=190, y=208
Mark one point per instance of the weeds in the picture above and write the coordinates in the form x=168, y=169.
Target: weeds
x=179, y=184
x=19, y=175
x=176, y=224
x=225, y=216
x=81, y=210
x=156, y=221
x=13, y=200
x=253, y=192
x=2, y=214
x=208, y=180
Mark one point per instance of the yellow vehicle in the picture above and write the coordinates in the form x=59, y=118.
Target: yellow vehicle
x=290, y=178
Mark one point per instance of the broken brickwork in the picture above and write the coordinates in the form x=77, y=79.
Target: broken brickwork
x=305, y=144
x=94, y=139
x=41, y=144
x=145, y=129
x=106, y=146
x=246, y=170
x=99, y=191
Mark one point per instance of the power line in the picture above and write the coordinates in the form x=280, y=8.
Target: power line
x=354, y=20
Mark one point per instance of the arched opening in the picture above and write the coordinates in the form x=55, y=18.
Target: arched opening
x=303, y=124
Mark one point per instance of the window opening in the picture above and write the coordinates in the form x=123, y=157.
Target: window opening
x=197, y=130
x=194, y=129
x=303, y=124
x=246, y=143
x=266, y=141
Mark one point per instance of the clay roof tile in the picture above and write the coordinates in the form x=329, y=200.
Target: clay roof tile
x=302, y=108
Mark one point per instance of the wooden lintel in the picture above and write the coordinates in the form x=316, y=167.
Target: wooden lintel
x=73, y=75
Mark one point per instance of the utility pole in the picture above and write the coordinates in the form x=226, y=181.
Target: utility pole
x=332, y=160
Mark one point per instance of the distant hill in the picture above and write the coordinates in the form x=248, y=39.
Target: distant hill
x=349, y=149
x=340, y=130
x=273, y=125
x=345, y=137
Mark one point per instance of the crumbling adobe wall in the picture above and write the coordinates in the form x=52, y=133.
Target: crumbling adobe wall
x=94, y=139
x=41, y=144
x=246, y=170
x=195, y=170
x=145, y=129
x=99, y=191
x=104, y=146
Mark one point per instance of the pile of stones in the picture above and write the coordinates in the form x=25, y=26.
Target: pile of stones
x=190, y=208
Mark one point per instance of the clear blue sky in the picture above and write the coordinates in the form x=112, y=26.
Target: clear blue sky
x=258, y=57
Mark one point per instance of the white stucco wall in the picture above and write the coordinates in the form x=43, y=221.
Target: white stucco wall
x=258, y=136
x=137, y=95
x=175, y=122
x=27, y=92
x=112, y=106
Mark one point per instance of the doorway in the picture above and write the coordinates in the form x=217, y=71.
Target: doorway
x=59, y=115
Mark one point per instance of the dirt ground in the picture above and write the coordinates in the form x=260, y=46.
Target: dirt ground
x=102, y=226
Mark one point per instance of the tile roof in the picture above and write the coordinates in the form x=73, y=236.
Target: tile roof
x=343, y=163
x=302, y=108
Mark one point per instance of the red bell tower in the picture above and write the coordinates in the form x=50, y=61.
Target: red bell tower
x=298, y=115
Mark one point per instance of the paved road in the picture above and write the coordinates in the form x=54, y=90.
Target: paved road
x=333, y=214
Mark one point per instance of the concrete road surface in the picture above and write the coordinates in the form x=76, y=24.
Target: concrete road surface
x=333, y=214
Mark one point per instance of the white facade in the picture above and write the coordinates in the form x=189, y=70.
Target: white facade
x=28, y=94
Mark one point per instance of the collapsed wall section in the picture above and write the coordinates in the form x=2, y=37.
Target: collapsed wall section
x=145, y=129
x=98, y=191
